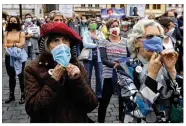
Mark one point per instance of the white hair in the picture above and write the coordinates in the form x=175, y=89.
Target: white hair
x=139, y=31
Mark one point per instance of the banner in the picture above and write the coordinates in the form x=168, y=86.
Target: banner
x=136, y=10
x=66, y=9
x=113, y=13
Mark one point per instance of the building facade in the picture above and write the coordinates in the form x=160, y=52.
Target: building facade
x=178, y=7
x=155, y=9
x=13, y=9
x=116, y=5
x=88, y=9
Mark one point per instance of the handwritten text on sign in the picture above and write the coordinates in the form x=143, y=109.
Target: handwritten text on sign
x=33, y=30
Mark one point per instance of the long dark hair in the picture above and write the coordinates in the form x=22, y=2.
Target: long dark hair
x=8, y=28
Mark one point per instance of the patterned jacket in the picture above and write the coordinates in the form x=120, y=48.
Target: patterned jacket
x=146, y=102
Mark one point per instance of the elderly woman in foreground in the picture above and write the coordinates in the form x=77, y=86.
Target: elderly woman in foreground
x=153, y=92
x=56, y=84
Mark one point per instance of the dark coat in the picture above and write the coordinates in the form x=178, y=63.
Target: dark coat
x=66, y=101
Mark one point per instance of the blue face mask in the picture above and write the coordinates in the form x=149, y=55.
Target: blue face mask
x=154, y=44
x=61, y=54
x=28, y=20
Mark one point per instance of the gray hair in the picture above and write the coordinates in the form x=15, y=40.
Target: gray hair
x=139, y=31
x=54, y=13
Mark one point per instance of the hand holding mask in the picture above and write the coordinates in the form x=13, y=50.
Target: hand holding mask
x=154, y=65
x=73, y=71
x=169, y=58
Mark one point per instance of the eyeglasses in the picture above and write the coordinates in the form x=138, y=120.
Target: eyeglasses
x=150, y=36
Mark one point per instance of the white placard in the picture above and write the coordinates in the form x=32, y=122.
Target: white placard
x=140, y=10
x=33, y=30
x=66, y=9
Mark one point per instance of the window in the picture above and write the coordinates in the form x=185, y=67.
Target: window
x=156, y=6
x=82, y=5
x=170, y=5
x=112, y=5
x=121, y=5
x=147, y=6
x=97, y=5
x=50, y=7
x=90, y=5
x=176, y=5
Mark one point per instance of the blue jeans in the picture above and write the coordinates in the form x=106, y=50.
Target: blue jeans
x=98, y=71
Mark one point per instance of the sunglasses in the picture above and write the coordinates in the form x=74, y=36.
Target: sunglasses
x=150, y=36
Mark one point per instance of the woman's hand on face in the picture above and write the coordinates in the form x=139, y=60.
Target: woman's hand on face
x=57, y=72
x=154, y=65
x=169, y=57
x=73, y=71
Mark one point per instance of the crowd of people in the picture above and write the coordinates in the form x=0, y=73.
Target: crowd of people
x=139, y=60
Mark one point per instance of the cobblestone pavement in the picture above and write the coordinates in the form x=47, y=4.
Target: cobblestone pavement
x=15, y=113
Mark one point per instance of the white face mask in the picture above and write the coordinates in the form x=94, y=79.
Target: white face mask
x=170, y=32
x=84, y=21
x=143, y=61
x=28, y=20
x=115, y=31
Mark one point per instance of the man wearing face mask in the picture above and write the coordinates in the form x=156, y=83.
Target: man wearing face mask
x=83, y=29
x=32, y=34
x=172, y=15
x=74, y=24
x=125, y=29
x=54, y=16
x=83, y=26
x=175, y=39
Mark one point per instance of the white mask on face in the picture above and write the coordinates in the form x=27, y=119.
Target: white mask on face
x=84, y=21
x=115, y=31
x=143, y=61
x=170, y=32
